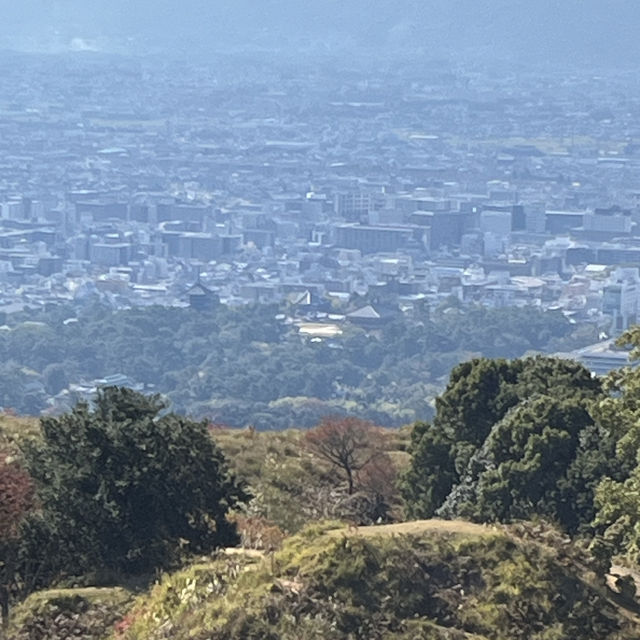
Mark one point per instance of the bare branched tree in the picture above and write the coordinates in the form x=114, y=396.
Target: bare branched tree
x=349, y=444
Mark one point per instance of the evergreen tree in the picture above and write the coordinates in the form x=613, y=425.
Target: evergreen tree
x=123, y=487
x=487, y=437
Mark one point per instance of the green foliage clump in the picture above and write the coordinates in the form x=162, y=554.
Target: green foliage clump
x=177, y=596
x=617, y=498
x=511, y=440
x=126, y=489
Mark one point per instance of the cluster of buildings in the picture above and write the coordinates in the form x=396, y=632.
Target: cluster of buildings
x=143, y=182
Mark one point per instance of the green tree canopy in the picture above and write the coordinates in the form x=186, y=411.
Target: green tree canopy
x=225, y=356
x=527, y=467
x=504, y=432
x=123, y=486
x=617, y=498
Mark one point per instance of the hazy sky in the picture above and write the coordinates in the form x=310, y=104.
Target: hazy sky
x=594, y=30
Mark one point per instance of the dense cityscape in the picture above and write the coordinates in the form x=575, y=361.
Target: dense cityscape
x=142, y=181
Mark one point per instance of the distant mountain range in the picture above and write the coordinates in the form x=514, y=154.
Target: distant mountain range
x=592, y=32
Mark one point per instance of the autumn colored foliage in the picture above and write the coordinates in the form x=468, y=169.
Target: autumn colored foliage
x=349, y=444
x=16, y=495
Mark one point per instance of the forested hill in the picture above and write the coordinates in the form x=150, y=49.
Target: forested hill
x=252, y=366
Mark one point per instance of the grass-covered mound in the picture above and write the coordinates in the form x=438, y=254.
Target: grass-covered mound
x=430, y=580
x=85, y=614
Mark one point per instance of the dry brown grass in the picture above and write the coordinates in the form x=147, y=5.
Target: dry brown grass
x=13, y=430
x=416, y=527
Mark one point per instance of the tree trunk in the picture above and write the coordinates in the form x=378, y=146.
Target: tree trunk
x=350, y=479
x=4, y=611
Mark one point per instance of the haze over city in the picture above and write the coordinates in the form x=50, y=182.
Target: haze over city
x=543, y=32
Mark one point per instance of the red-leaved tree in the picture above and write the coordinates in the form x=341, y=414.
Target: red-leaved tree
x=349, y=444
x=16, y=500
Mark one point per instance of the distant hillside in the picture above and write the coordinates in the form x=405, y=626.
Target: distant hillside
x=13, y=429
x=547, y=31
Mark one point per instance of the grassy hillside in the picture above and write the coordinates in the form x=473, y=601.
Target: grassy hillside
x=292, y=486
x=13, y=429
x=436, y=580
x=430, y=580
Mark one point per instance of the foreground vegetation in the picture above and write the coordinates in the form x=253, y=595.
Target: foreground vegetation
x=431, y=580
x=87, y=613
x=531, y=468
x=539, y=437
